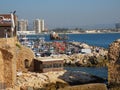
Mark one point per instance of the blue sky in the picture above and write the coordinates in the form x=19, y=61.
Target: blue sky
x=65, y=13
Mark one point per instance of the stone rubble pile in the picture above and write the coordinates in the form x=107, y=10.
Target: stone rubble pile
x=39, y=80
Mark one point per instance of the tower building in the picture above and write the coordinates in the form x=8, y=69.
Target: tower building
x=39, y=26
x=22, y=25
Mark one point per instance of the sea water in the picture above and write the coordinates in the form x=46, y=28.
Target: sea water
x=101, y=40
x=97, y=71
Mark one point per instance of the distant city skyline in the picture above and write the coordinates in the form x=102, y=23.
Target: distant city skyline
x=38, y=26
x=65, y=13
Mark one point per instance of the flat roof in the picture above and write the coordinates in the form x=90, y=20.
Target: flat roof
x=49, y=59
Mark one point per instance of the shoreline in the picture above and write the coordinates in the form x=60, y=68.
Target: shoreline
x=75, y=33
x=56, y=80
x=92, y=33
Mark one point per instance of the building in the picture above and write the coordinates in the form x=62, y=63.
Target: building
x=22, y=25
x=39, y=26
x=42, y=26
x=25, y=32
x=48, y=64
x=8, y=25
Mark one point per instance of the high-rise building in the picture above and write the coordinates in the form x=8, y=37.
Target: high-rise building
x=39, y=26
x=42, y=26
x=22, y=25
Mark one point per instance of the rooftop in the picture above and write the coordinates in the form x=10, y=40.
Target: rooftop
x=49, y=59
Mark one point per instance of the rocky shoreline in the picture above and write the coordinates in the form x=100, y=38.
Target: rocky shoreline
x=97, y=57
x=55, y=80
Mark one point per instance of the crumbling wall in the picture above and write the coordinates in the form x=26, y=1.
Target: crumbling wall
x=114, y=64
x=24, y=53
x=1, y=72
x=8, y=67
x=12, y=57
x=7, y=62
x=4, y=42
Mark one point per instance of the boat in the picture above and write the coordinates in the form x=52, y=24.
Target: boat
x=55, y=36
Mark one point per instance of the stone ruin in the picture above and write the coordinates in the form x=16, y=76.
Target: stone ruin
x=8, y=62
x=114, y=64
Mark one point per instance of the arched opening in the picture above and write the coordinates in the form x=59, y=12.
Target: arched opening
x=26, y=63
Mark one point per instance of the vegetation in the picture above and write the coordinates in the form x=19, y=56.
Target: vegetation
x=65, y=30
x=18, y=45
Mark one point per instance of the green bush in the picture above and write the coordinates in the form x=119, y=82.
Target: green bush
x=18, y=45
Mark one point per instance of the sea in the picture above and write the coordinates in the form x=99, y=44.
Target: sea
x=97, y=71
x=101, y=40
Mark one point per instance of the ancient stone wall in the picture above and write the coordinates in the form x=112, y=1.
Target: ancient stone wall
x=8, y=67
x=25, y=54
x=7, y=62
x=114, y=63
x=4, y=42
x=12, y=59
x=1, y=72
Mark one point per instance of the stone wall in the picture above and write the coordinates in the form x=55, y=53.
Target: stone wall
x=24, y=53
x=114, y=63
x=1, y=72
x=5, y=42
x=7, y=62
x=94, y=86
x=12, y=57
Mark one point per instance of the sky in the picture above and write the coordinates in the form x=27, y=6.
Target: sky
x=65, y=13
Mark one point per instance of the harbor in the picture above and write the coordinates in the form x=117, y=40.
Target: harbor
x=52, y=67
x=74, y=53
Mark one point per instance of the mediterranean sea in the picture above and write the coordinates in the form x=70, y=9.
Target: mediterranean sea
x=101, y=39
x=97, y=71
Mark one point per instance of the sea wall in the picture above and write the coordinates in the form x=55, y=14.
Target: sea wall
x=114, y=65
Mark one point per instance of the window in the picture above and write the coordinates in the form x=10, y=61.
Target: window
x=26, y=62
x=47, y=65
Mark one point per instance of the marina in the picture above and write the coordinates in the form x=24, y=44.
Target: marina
x=53, y=47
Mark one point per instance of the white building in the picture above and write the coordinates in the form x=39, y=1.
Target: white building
x=42, y=26
x=22, y=25
x=39, y=26
x=90, y=31
x=25, y=32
